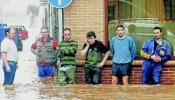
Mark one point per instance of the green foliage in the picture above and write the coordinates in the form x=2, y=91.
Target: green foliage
x=169, y=26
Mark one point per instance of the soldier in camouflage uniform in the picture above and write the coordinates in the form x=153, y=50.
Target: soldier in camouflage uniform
x=67, y=52
x=94, y=50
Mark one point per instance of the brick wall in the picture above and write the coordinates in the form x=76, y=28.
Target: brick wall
x=168, y=74
x=83, y=16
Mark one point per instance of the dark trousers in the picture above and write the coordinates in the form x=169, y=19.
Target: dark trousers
x=92, y=75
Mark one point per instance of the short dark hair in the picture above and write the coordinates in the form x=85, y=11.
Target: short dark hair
x=91, y=33
x=155, y=28
x=67, y=29
x=120, y=26
x=8, y=29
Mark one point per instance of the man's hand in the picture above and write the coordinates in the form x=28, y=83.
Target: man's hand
x=8, y=68
x=85, y=50
x=100, y=64
x=158, y=58
x=87, y=43
x=155, y=58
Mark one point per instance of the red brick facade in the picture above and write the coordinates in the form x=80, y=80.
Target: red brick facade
x=168, y=74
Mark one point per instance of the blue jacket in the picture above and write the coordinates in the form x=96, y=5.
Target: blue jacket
x=148, y=50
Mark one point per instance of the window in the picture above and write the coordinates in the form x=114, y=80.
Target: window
x=169, y=9
x=139, y=17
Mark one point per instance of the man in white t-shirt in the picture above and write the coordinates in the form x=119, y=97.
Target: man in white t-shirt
x=9, y=56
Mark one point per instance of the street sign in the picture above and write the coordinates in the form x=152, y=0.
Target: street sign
x=60, y=3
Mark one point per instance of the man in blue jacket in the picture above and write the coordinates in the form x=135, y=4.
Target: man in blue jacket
x=154, y=51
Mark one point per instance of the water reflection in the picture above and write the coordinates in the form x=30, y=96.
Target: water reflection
x=9, y=92
x=87, y=92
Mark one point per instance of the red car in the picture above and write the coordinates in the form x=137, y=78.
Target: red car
x=23, y=33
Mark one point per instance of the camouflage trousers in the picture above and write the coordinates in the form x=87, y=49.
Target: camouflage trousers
x=66, y=75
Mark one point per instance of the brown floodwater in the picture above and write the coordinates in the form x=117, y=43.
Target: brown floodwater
x=87, y=92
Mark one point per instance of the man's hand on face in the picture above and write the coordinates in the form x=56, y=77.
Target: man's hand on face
x=87, y=43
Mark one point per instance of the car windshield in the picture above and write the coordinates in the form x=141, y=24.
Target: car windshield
x=21, y=28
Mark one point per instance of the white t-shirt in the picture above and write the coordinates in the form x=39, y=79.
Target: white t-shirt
x=8, y=46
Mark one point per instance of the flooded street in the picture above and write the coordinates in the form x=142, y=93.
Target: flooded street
x=87, y=92
x=27, y=85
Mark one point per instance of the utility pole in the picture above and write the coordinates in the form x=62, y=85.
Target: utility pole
x=60, y=4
